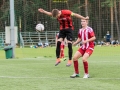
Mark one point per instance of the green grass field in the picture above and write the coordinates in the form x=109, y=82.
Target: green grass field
x=33, y=69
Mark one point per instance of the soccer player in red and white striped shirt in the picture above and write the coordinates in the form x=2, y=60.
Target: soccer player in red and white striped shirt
x=86, y=36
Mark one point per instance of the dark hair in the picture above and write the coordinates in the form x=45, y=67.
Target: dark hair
x=55, y=12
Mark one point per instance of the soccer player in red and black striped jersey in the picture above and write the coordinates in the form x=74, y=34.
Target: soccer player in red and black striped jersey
x=66, y=30
x=86, y=36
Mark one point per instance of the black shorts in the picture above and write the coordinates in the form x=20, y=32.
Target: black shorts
x=107, y=40
x=66, y=33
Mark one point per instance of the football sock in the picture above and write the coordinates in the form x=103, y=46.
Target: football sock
x=58, y=49
x=85, y=67
x=76, y=67
x=70, y=51
x=62, y=54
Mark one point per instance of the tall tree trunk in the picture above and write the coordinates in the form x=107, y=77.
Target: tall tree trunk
x=111, y=10
x=99, y=21
x=50, y=8
x=119, y=12
x=80, y=14
x=2, y=5
x=86, y=7
x=67, y=4
x=116, y=20
x=1, y=2
x=24, y=4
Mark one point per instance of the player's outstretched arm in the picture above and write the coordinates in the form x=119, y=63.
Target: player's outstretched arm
x=44, y=11
x=80, y=16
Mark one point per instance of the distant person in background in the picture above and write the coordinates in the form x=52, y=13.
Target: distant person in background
x=108, y=38
x=114, y=43
x=117, y=42
x=46, y=44
x=40, y=44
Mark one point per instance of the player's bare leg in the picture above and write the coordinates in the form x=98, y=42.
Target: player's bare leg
x=76, y=56
x=85, y=64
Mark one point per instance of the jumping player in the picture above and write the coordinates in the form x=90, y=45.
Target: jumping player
x=66, y=30
x=87, y=36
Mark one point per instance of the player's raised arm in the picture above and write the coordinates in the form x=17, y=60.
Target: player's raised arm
x=44, y=11
x=79, y=16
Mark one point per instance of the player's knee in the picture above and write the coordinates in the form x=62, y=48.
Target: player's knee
x=74, y=58
x=84, y=59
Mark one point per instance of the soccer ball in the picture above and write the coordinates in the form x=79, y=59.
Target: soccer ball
x=39, y=27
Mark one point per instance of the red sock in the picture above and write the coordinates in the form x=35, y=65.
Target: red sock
x=76, y=67
x=85, y=67
x=62, y=54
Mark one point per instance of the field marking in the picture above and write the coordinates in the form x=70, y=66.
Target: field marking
x=29, y=58
x=53, y=58
x=15, y=77
x=104, y=61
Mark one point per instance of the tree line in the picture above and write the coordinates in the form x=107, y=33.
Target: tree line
x=104, y=15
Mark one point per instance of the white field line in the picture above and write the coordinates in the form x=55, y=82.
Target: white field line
x=103, y=61
x=17, y=77
x=53, y=58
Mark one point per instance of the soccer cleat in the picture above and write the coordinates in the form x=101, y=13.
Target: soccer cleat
x=63, y=59
x=86, y=76
x=69, y=63
x=74, y=75
x=58, y=61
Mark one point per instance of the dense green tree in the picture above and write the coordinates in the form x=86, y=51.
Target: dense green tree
x=104, y=15
x=113, y=11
